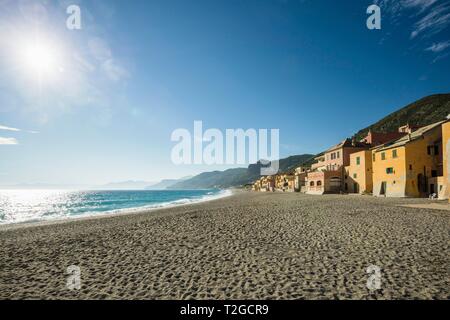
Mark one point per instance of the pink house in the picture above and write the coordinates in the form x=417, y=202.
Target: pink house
x=328, y=173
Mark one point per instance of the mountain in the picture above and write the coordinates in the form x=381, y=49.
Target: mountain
x=237, y=176
x=420, y=113
x=125, y=185
x=165, y=183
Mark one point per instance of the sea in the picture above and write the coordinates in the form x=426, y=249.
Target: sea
x=18, y=206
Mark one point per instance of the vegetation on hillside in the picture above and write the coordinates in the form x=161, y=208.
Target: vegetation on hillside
x=420, y=113
x=423, y=112
x=238, y=176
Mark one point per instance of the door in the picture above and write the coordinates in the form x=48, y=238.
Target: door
x=432, y=190
x=383, y=188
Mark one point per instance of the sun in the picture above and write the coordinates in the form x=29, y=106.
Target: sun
x=40, y=58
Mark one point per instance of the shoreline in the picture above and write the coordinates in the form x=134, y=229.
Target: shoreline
x=245, y=246
x=118, y=212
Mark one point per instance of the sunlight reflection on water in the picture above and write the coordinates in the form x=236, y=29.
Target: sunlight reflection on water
x=35, y=205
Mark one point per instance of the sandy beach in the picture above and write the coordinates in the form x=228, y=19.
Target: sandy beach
x=246, y=246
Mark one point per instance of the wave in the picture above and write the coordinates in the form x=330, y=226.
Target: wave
x=35, y=214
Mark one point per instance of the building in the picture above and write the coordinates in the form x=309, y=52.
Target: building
x=328, y=172
x=408, y=128
x=267, y=183
x=300, y=180
x=285, y=182
x=377, y=138
x=257, y=185
x=411, y=166
x=358, y=175
x=321, y=182
x=446, y=160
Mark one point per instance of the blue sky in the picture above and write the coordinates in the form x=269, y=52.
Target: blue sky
x=137, y=70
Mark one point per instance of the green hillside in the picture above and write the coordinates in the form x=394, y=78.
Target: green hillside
x=420, y=113
x=238, y=176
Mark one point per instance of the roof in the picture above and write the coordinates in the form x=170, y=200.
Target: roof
x=409, y=137
x=348, y=143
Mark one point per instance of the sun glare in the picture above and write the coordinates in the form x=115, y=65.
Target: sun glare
x=40, y=58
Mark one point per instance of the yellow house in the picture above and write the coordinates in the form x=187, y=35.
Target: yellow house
x=446, y=149
x=285, y=182
x=411, y=166
x=358, y=175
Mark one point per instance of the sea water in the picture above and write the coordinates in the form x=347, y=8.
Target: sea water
x=39, y=205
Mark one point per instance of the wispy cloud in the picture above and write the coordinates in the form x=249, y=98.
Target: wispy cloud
x=421, y=4
x=101, y=51
x=91, y=73
x=430, y=17
x=433, y=22
x=8, y=141
x=438, y=47
x=395, y=6
x=6, y=128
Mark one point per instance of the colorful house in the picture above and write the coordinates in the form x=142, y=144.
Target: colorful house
x=301, y=178
x=328, y=173
x=411, y=166
x=358, y=175
x=285, y=182
x=376, y=138
x=267, y=183
x=446, y=160
x=321, y=182
x=257, y=185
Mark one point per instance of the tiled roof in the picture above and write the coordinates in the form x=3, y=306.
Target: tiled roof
x=409, y=137
x=347, y=143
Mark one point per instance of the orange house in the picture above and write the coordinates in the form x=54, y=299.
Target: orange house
x=446, y=160
x=411, y=166
x=358, y=175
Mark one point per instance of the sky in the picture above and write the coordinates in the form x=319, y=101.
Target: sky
x=107, y=97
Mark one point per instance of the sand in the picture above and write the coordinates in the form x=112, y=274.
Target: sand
x=247, y=246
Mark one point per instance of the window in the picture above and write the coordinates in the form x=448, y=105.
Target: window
x=394, y=153
x=337, y=155
x=410, y=167
x=319, y=183
x=436, y=150
x=311, y=183
x=383, y=156
x=358, y=161
x=355, y=176
x=433, y=150
x=333, y=156
x=434, y=173
x=373, y=157
x=389, y=170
